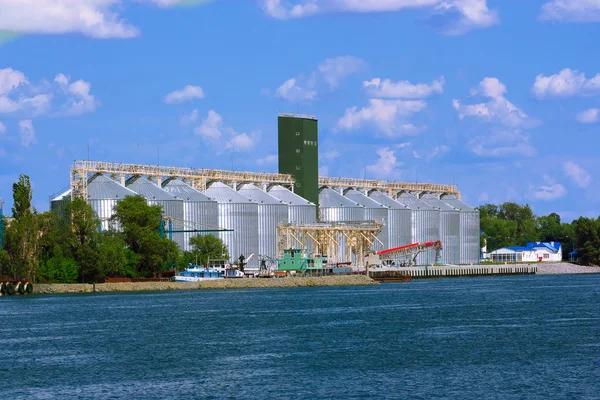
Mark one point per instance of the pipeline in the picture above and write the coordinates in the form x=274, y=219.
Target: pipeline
x=13, y=288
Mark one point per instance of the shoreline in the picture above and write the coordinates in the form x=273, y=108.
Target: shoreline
x=250, y=283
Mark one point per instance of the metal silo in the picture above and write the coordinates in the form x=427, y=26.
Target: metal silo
x=333, y=207
x=373, y=211
x=425, y=224
x=59, y=203
x=300, y=210
x=271, y=212
x=469, y=230
x=399, y=220
x=103, y=196
x=240, y=214
x=449, y=228
x=172, y=206
x=197, y=209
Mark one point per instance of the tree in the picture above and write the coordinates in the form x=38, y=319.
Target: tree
x=587, y=240
x=22, y=196
x=208, y=246
x=59, y=270
x=83, y=220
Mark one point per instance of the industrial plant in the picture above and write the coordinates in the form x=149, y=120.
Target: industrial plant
x=264, y=214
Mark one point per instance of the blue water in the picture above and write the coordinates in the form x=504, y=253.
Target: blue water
x=532, y=337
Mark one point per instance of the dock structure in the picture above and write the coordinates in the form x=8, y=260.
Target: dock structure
x=325, y=239
x=446, y=271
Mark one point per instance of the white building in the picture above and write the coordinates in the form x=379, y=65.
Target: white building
x=533, y=252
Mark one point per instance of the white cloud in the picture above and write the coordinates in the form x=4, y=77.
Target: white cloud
x=385, y=114
x=268, y=160
x=2, y=129
x=579, y=175
x=386, y=166
x=566, y=83
x=11, y=79
x=241, y=142
x=571, y=10
x=329, y=155
x=438, y=151
x=498, y=109
x=190, y=118
x=80, y=101
x=502, y=143
x=589, y=116
x=291, y=92
x=548, y=191
x=416, y=155
x=335, y=70
x=27, y=133
x=186, y=94
x=469, y=13
x=403, y=89
x=330, y=73
x=211, y=126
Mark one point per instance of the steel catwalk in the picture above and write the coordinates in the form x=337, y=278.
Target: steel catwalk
x=271, y=212
x=373, y=211
x=197, y=209
x=469, y=230
x=172, y=206
x=449, y=228
x=240, y=214
x=425, y=224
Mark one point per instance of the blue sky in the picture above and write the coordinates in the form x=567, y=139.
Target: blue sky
x=501, y=97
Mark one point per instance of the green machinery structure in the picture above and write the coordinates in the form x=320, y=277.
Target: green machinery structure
x=298, y=260
x=299, y=153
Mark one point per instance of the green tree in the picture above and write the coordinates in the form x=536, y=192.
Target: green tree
x=208, y=246
x=59, y=270
x=84, y=220
x=22, y=196
x=587, y=240
x=112, y=254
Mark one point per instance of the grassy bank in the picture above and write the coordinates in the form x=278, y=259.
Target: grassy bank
x=350, y=280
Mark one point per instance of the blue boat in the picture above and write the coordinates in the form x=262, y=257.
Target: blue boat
x=197, y=273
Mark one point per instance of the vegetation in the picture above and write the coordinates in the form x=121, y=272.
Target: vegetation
x=48, y=247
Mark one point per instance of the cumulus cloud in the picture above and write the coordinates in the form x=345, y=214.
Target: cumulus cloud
x=437, y=152
x=27, y=133
x=579, y=175
x=329, y=155
x=386, y=165
x=571, y=11
x=461, y=15
x=403, y=89
x=502, y=143
x=241, y=142
x=498, y=109
x=190, y=118
x=589, y=116
x=330, y=73
x=214, y=130
x=566, y=83
x=550, y=190
x=186, y=94
x=211, y=126
x=79, y=100
x=387, y=115
x=268, y=160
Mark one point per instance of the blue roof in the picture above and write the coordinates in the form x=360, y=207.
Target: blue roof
x=517, y=248
x=533, y=245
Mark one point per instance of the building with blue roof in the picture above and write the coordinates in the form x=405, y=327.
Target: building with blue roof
x=532, y=252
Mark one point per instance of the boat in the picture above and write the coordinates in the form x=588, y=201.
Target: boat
x=198, y=273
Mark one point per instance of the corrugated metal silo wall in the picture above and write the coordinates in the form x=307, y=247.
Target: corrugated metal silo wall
x=425, y=228
x=302, y=214
x=380, y=215
x=399, y=227
x=342, y=214
x=202, y=212
x=469, y=237
x=174, y=209
x=269, y=216
x=104, y=209
x=243, y=219
x=59, y=207
x=450, y=236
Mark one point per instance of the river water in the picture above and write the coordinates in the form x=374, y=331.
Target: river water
x=535, y=337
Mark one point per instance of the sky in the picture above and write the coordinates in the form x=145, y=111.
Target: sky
x=500, y=97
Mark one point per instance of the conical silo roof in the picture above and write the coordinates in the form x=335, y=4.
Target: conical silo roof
x=104, y=188
x=330, y=198
x=414, y=203
x=288, y=197
x=222, y=193
x=184, y=191
x=255, y=194
x=150, y=191
x=434, y=201
x=362, y=200
x=456, y=203
x=386, y=200
x=62, y=195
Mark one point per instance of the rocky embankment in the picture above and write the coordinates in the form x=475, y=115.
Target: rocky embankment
x=251, y=283
x=565, y=268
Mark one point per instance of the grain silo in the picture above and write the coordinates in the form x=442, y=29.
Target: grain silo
x=271, y=212
x=469, y=230
x=333, y=207
x=103, y=196
x=300, y=210
x=240, y=214
x=449, y=228
x=58, y=203
x=373, y=211
x=172, y=206
x=199, y=211
x=425, y=224
x=399, y=231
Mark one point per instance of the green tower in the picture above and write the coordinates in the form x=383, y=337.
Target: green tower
x=299, y=153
